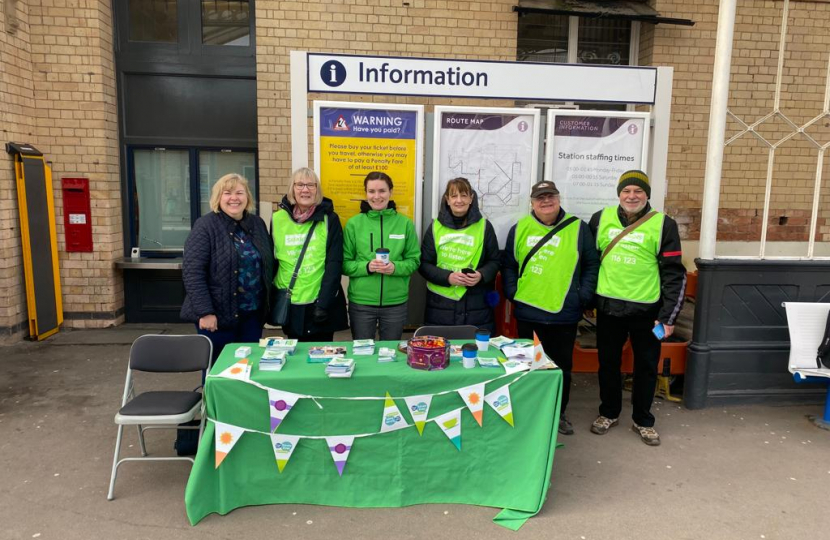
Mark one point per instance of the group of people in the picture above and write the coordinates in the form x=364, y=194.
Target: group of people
x=625, y=264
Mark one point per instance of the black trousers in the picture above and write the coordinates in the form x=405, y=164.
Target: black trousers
x=558, y=342
x=611, y=335
x=318, y=337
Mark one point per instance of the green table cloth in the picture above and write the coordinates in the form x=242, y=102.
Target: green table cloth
x=498, y=464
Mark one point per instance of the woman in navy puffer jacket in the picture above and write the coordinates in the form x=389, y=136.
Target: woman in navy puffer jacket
x=228, y=268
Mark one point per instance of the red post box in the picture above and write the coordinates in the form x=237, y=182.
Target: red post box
x=77, y=218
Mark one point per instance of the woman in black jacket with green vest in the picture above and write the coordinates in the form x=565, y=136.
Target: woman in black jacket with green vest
x=465, y=240
x=318, y=305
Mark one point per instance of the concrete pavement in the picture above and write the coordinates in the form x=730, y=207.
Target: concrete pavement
x=753, y=472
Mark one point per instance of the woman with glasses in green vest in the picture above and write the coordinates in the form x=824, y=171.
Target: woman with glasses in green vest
x=380, y=252
x=460, y=260
x=550, y=273
x=318, y=305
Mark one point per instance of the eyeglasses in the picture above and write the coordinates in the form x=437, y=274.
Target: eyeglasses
x=301, y=186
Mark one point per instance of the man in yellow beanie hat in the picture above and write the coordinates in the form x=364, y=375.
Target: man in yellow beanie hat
x=639, y=295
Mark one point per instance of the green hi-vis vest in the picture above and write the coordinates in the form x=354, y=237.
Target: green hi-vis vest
x=456, y=249
x=289, y=237
x=549, y=273
x=629, y=271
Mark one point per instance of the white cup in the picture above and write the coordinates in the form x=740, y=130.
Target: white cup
x=468, y=362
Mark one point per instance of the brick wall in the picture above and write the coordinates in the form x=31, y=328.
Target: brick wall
x=62, y=99
x=437, y=29
x=16, y=100
x=57, y=91
x=752, y=93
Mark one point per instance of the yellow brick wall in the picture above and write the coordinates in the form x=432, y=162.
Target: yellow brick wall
x=752, y=96
x=62, y=55
x=487, y=30
x=436, y=29
x=57, y=91
x=16, y=99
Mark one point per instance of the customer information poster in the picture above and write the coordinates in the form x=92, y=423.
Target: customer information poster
x=496, y=150
x=352, y=140
x=587, y=153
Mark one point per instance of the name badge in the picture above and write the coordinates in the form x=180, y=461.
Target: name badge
x=533, y=240
x=457, y=238
x=295, y=239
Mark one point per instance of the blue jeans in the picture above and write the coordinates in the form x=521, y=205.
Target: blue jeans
x=365, y=320
x=247, y=330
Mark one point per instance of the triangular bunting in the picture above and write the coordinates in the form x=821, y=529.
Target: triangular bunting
x=419, y=409
x=450, y=424
x=499, y=399
x=340, y=448
x=473, y=396
x=392, y=417
x=279, y=405
x=283, y=446
x=539, y=358
x=226, y=437
x=240, y=371
x=513, y=366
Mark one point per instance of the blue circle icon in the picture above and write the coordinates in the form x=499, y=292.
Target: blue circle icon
x=333, y=73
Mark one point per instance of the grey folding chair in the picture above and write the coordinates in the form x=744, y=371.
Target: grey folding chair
x=465, y=331
x=164, y=408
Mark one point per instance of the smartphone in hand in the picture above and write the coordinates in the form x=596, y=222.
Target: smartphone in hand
x=658, y=331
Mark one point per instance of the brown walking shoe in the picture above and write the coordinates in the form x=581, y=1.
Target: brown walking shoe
x=647, y=434
x=602, y=424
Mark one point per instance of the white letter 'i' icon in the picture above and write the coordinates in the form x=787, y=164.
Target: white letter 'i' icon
x=333, y=72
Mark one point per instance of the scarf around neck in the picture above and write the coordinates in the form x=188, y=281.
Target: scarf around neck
x=302, y=217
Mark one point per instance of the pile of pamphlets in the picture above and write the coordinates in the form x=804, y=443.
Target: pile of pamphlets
x=322, y=354
x=340, y=368
x=272, y=360
x=385, y=354
x=501, y=341
x=488, y=362
x=455, y=352
x=522, y=352
x=276, y=344
x=363, y=347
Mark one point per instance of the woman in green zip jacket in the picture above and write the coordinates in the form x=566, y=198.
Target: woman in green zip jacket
x=378, y=288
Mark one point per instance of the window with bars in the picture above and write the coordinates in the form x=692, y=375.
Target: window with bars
x=568, y=39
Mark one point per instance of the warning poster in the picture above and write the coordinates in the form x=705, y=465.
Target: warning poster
x=354, y=142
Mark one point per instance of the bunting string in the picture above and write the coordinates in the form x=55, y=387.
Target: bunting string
x=358, y=436
x=367, y=398
x=361, y=435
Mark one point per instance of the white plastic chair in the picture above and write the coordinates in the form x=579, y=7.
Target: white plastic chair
x=806, y=323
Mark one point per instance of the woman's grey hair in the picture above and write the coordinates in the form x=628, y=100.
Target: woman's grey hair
x=307, y=175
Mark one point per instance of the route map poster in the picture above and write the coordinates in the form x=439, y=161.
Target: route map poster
x=589, y=153
x=351, y=142
x=496, y=150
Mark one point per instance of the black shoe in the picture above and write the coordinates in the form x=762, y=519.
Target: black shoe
x=565, y=427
